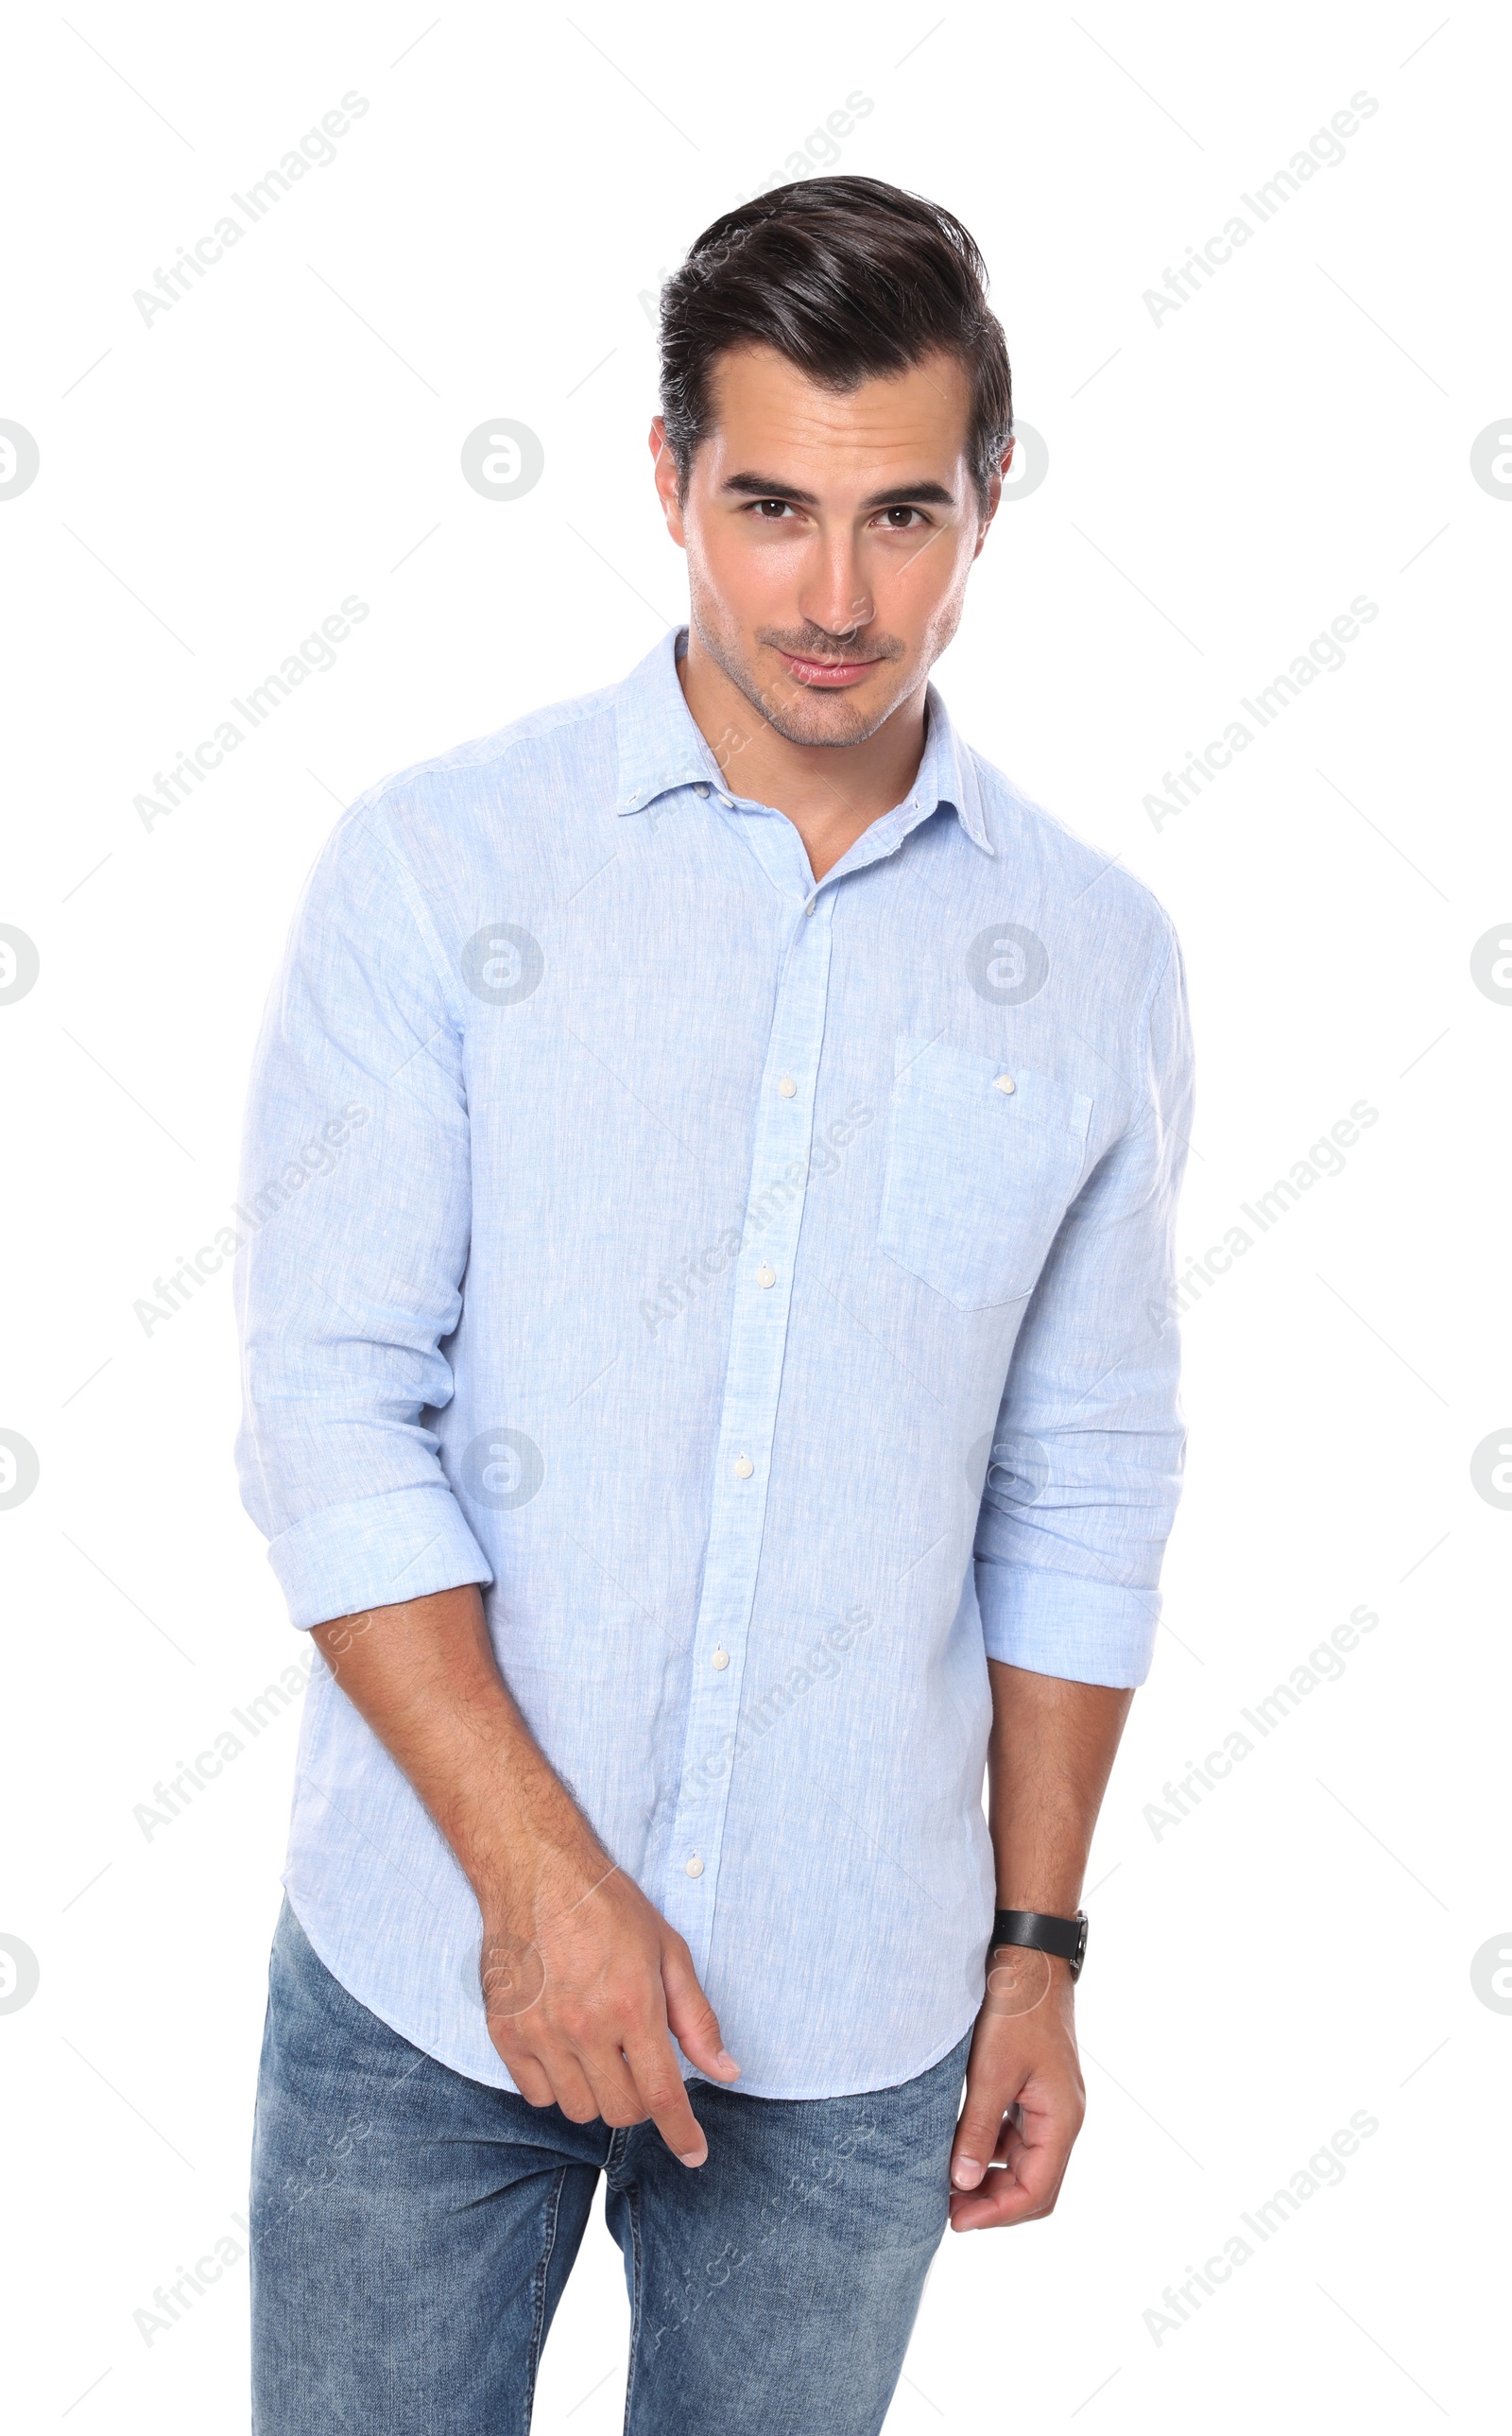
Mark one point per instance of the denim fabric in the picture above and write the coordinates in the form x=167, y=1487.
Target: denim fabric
x=763, y=1287
x=413, y=2231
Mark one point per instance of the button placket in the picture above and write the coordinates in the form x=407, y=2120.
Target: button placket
x=775, y=1204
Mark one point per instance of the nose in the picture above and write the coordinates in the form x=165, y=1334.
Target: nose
x=835, y=595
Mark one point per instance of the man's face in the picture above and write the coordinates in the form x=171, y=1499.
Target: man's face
x=828, y=537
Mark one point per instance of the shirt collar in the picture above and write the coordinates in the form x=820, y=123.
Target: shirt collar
x=660, y=747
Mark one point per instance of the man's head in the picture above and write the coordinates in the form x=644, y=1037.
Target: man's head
x=837, y=417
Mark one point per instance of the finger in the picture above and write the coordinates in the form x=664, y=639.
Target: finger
x=976, y=2135
x=1001, y=2201
x=654, y=2067
x=570, y=2088
x=690, y=2017
x=530, y=2080
x=1026, y=2178
x=522, y=2064
x=1015, y=2192
x=615, y=2090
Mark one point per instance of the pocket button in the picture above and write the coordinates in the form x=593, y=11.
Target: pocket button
x=972, y=1204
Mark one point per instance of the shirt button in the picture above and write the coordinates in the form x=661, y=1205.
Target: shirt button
x=766, y=1277
x=701, y=789
x=743, y=1466
x=787, y=1088
x=720, y=1661
x=809, y=907
x=1004, y=1082
x=694, y=1867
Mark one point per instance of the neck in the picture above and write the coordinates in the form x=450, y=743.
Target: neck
x=831, y=792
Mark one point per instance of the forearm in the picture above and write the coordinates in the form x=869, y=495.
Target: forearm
x=1049, y=1760
x=424, y=1675
x=580, y=1977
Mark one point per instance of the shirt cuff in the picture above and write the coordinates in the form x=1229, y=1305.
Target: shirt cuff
x=1063, y=1624
x=375, y=1552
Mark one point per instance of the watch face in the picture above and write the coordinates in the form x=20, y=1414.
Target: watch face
x=1081, y=1945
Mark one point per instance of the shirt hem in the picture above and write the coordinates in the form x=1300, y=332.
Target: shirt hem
x=741, y=2088
x=690, y=2072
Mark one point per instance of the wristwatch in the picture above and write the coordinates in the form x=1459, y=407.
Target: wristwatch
x=1066, y=1938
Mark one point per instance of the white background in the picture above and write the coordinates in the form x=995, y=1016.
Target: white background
x=1221, y=484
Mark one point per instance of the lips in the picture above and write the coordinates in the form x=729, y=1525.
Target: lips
x=826, y=673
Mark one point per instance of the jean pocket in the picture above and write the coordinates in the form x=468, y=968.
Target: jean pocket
x=984, y=1160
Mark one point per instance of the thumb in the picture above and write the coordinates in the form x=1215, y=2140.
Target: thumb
x=690, y=2017
x=978, y=2131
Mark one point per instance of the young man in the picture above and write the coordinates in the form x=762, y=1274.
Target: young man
x=713, y=1397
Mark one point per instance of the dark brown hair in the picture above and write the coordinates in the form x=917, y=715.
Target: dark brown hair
x=851, y=280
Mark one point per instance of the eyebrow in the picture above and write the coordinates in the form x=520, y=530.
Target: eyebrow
x=900, y=495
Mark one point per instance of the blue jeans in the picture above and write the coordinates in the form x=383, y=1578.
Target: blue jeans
x=413, y=2231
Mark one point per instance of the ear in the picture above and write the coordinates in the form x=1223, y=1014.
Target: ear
x=993, y=494
x=665, y=480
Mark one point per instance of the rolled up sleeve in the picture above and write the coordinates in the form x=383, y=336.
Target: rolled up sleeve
x=1086, y=1467
x=353, y=1224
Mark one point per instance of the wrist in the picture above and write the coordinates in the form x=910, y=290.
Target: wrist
x=534, y=1874
x=1045, y=1891
x=1056, y=1936
x=525, y=1852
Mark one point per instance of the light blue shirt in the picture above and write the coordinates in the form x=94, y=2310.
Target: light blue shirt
x=764, y=1288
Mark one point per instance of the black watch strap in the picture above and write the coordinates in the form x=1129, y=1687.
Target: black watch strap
x=1042, y=1929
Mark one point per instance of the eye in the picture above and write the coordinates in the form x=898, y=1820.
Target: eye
x=770, y=512
x=897, y=519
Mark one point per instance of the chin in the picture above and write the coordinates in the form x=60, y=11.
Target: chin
x=828, y=719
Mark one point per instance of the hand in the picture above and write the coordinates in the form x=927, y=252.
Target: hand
x=582, y=1988
x=1025, y=2098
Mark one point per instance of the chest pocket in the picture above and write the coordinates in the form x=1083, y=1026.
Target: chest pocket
x=979, y=1177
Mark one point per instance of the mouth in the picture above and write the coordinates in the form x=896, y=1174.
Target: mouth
x=826, y=676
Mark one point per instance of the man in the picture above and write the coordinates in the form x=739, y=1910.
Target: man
x=713, y=1397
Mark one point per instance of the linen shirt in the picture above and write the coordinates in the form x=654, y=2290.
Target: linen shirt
x=763, y=1288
